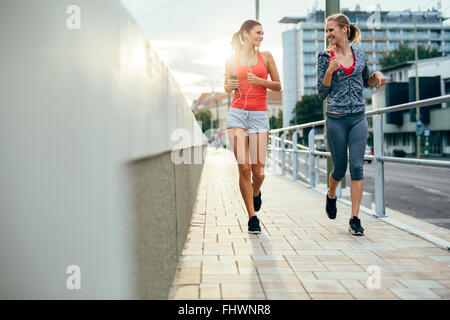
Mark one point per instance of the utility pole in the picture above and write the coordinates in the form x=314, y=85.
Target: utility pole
x=217, y=107
x=331, y=7
x=257, y=10
x=416, y=58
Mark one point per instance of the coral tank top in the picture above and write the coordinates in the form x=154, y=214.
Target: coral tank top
x=250, y=96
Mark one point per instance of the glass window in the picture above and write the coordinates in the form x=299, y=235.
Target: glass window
x=309, y=70
x=380, y=46
x=380, y=34
x=408, y=34
x=366, y=34
x=436, y=44
x=310, y=81
x=447, y=35
x=310, y=91
x=309, y=34
x=435, y=34
x=309, y=57
x=422, y=34
x=394, y=34
x=366, y=45
x=393, y=45
x=309, y=46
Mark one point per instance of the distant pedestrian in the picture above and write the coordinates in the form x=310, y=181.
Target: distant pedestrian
x=217, y=140
x=247, y=121
x=342, y=74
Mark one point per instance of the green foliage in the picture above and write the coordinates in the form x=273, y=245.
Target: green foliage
x=404, y=53
x=276, y=122
x=205, y=117
x=309, y=109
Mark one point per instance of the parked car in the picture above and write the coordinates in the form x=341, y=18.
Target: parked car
x=368, y=152
x=321, y=149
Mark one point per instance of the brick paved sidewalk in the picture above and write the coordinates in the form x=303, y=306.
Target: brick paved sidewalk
x=301, y=254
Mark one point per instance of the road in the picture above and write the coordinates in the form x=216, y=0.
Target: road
x=422, y=192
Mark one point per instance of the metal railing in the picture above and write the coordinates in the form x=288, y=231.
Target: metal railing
x=277, y=151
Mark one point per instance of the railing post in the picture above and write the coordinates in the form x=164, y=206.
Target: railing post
x=339, y=190
x=283, y=154
x=378, y=141
x=267, y=155
x=312, y=171
x=294, y=151
x=274, y=160
x=306, y=155
x=317, y=167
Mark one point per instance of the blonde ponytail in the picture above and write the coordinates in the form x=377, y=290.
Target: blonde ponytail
x=236, y=43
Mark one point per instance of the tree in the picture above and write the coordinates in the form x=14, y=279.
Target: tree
x=309, y=109
x=276, y=122
x=404, y=53
x=205, y=117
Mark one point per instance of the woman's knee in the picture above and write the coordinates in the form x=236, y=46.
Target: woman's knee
x=339, y=172
x=356, y=172
x=258, y=172
x=245, y=171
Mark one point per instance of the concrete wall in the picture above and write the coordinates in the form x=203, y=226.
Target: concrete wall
x=87, y=117
x=164, y=195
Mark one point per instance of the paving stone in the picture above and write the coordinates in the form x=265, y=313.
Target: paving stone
x=372, y=294
x=415, y=294
x=421, y=284
x=287, y=296
x=188, y=292
x=331, y=296
x=323, y=286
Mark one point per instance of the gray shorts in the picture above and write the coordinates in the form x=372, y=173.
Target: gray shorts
x=253, y=121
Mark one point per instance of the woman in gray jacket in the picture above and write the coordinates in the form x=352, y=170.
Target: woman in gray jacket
x=342, y=74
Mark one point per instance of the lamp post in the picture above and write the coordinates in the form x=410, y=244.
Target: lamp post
x=416, y=58
x=217, y=107
x=257, y=9
x=331, y=7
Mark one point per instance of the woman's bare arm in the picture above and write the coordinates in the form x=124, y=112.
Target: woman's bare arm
x=274, y=84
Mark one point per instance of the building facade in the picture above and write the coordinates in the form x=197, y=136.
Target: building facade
x=400, y=127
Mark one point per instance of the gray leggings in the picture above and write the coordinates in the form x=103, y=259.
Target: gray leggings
x=347, y=129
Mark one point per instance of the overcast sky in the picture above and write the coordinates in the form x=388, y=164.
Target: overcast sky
x=193, y=36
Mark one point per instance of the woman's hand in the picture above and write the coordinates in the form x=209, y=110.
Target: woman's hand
x=334, y=65
x=379, y=78
x=231, y=84
x=253, y=79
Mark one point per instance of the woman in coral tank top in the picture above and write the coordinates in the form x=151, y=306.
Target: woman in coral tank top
x=246, y=74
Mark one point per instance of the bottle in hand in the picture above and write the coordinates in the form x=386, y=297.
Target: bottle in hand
x=234, y=77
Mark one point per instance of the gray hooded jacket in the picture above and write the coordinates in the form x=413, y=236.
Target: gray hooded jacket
x=345, y=94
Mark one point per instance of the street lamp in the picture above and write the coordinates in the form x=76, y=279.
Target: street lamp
x=416, y=59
